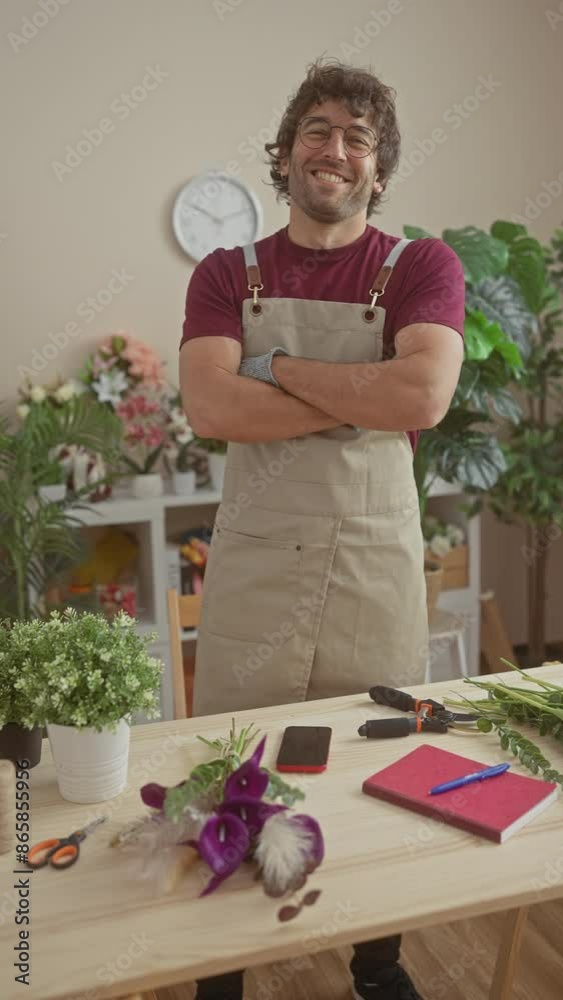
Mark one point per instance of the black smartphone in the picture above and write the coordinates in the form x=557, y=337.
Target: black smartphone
x=304, y=748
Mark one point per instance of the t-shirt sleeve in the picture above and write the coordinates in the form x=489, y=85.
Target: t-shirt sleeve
x=211, y=309
x=434, y=291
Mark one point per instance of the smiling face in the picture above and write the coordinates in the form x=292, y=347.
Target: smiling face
x=330, y=184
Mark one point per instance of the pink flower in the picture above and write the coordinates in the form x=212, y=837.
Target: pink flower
x=154, y=437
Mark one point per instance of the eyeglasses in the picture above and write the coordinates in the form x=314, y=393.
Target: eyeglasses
x=316, y=132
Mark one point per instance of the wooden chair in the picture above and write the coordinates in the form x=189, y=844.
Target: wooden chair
x=183, y=612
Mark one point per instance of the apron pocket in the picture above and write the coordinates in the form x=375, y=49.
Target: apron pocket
x=254, y=584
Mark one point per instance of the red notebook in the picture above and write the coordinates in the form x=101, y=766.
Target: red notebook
x=494, y=808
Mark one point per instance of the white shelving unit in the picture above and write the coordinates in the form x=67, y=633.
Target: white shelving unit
x=444, y=502
x=152, y=521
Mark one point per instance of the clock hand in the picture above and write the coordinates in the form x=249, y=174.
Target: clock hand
x=215, y=218
x=241, y=211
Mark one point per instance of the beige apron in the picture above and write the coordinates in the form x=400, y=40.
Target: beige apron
x=314, y=585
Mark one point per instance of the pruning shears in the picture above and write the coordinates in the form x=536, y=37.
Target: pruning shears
x=431, y=716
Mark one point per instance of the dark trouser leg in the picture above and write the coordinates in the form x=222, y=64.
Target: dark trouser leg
x=370, y=957
x=221, y=987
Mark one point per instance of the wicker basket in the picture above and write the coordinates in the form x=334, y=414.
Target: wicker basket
x=433, y=574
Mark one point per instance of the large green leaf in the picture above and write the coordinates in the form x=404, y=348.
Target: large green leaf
x=482, y=337
x=481, y=255
x=476, y=463
x=526, y=262
x=501, y=301
x=416, y=233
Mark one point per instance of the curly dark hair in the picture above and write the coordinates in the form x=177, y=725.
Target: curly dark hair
x=363, y=94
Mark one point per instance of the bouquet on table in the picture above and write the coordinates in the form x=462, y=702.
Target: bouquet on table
x=225, y=813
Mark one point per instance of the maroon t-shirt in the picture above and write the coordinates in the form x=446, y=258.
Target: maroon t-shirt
x=426, y=286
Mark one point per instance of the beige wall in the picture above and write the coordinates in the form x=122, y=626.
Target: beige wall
x=61, y=239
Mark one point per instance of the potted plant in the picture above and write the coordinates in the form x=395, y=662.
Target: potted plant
x=143, y=417
x=21, y=720
x=37, y=538
x=216, y=458
x=53, y=485
x=529, y=492
x=464, y=448
x=88, y=676
x=179, y=458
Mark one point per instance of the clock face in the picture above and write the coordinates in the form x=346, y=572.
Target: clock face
x=215, y=210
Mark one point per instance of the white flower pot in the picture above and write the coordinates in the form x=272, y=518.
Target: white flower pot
x=183, y=483
x=90, y=766
x=53, y=493
x=147, y=486
x=217, y=469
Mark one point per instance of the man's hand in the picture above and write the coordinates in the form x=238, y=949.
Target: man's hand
x=411, y=392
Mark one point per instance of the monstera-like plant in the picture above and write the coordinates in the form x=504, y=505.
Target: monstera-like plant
x=464, y=447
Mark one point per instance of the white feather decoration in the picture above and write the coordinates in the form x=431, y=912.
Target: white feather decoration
x=283, y=853
x=156, y=850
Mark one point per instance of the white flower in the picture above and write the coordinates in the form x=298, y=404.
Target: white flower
x=455, y=535
x=37, y=394
x=440, y=546
x=22, y=410
x=65, y=392
x=185, y=436
x=179, y=419
x=110, y=385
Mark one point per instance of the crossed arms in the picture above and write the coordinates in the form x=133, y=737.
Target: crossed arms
x=410, y=392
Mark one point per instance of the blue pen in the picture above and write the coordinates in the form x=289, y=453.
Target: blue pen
x=487, y=772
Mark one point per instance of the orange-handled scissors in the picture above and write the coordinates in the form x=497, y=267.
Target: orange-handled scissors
x=60, y=852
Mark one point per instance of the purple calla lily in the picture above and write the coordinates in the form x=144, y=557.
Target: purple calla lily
x=153, y=794
x=223, y=844
x=253, y=812
x=249, y=778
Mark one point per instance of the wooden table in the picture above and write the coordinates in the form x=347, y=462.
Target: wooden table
x=98, y=931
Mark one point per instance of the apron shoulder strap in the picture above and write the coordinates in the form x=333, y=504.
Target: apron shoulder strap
x=384, y=272
x=252, y=269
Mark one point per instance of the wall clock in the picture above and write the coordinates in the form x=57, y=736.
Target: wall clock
x=214, y=210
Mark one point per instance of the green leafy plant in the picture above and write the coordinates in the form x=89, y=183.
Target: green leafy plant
x=529, y=492
x=37, y=538
x=17, y=704
x=542, y=709
x=464, y=448
x=78, y=670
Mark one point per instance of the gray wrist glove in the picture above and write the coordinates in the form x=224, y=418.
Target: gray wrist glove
x=261, y=366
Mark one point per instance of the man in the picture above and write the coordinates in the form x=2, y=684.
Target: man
x=319, y=354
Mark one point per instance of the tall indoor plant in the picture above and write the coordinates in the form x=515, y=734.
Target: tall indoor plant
x=37, y=537
x=530, y=490
x=464, y=447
